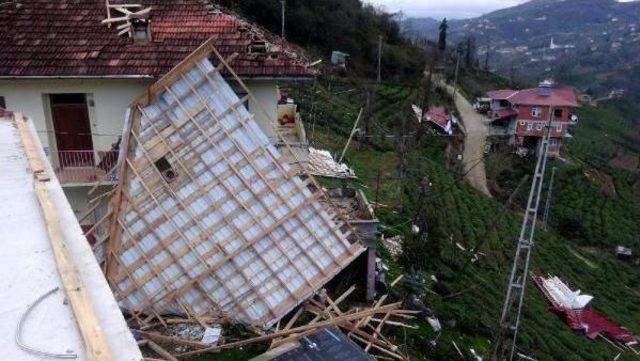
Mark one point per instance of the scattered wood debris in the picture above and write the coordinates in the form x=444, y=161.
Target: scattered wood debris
x=364, y=325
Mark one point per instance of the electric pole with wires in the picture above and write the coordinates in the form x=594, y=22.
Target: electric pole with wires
x=505, y=344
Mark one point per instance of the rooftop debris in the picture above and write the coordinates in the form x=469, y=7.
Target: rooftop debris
x=322, y=163
x=574, y=309
x=438, y=117
x=365, y=326
x=393, y=245
x=327, y=344
x=208, y=219
x=623, y=252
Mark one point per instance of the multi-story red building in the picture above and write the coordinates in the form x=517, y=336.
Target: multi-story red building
x=522, y=115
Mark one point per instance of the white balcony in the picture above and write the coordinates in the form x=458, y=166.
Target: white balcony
x=85, y=167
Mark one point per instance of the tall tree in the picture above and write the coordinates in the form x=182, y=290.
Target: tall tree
x=442, y=40
x=470, y=51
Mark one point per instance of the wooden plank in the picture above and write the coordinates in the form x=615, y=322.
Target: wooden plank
x=93, y=338
x=160, y=351
x=33, y=158
x=323, y=324
x=116, y=206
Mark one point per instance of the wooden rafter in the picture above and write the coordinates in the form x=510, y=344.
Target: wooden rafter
x=143, y=145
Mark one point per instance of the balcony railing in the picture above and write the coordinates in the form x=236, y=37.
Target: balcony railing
x=85, y=166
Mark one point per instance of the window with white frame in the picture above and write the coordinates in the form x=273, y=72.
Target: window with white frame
x=559, y=127
x=529, y=126
x=536, y=112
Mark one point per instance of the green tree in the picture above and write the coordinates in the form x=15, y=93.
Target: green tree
x=442, y=40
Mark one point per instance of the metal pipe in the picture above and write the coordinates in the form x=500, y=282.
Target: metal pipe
x=33, y=350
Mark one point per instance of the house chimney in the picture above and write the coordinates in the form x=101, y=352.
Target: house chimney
x=141, y=30
x=544, y=88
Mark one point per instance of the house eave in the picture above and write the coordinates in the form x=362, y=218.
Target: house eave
x=141, y=76
x=29, y=77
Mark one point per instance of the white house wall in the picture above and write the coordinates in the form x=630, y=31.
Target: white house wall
x=111, y=97
x=266, y=97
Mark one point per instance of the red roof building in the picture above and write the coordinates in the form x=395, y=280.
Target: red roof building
x=67, y=38
x=439, y=116
x=524, y=114
x=75, y=66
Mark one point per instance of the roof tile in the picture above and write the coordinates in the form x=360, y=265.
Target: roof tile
x=66, y=38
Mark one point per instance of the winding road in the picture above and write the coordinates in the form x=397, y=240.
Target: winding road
x=474, y=143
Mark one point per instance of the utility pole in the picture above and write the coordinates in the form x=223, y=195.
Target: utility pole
x=505, y=344
x=455, y=79
x=545, y=219
x=283, y=4
x=379, y=58
x=353, y=132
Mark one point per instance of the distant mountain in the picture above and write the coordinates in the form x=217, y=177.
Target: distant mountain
x=588, y=43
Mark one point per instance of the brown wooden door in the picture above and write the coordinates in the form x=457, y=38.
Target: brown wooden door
x=72, y=129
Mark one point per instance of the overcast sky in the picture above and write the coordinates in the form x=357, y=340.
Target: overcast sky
x=454, y=9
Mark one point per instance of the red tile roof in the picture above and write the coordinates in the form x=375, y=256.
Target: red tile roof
x=439, y=116
x=66, y=38
x=501, y=94
x=558, y=96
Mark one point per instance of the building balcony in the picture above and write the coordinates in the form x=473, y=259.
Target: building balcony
x=85, y=167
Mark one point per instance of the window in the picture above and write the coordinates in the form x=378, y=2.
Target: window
x=3, y=104
x=536, y=112
x=529, y=127
x=557, y=113
x=559, y=127
x=166, y=169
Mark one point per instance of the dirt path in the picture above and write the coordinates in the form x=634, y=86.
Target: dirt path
x=474, y=142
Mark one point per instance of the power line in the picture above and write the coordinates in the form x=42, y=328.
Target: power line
x=505, y=344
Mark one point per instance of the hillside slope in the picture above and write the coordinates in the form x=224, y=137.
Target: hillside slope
x=468, y=302
x=596, y=43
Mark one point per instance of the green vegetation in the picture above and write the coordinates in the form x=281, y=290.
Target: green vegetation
x=596, y=203
x=468, y=302
x=344, y=25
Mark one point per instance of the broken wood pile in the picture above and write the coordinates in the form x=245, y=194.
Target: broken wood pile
x=363, y=325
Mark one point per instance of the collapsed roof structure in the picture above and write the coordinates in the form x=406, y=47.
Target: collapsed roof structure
x=575, y=309
x=208, y=219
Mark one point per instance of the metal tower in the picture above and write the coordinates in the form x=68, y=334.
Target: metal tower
x=505, y=345
x=547, y=205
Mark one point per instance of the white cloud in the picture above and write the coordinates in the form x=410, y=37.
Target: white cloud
x=457, y=9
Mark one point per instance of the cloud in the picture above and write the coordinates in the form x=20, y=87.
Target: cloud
x=457, y=9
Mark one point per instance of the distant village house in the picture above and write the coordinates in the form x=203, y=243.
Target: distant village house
x=522, y=115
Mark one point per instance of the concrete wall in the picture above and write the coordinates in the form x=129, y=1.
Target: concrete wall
x=266, y=97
